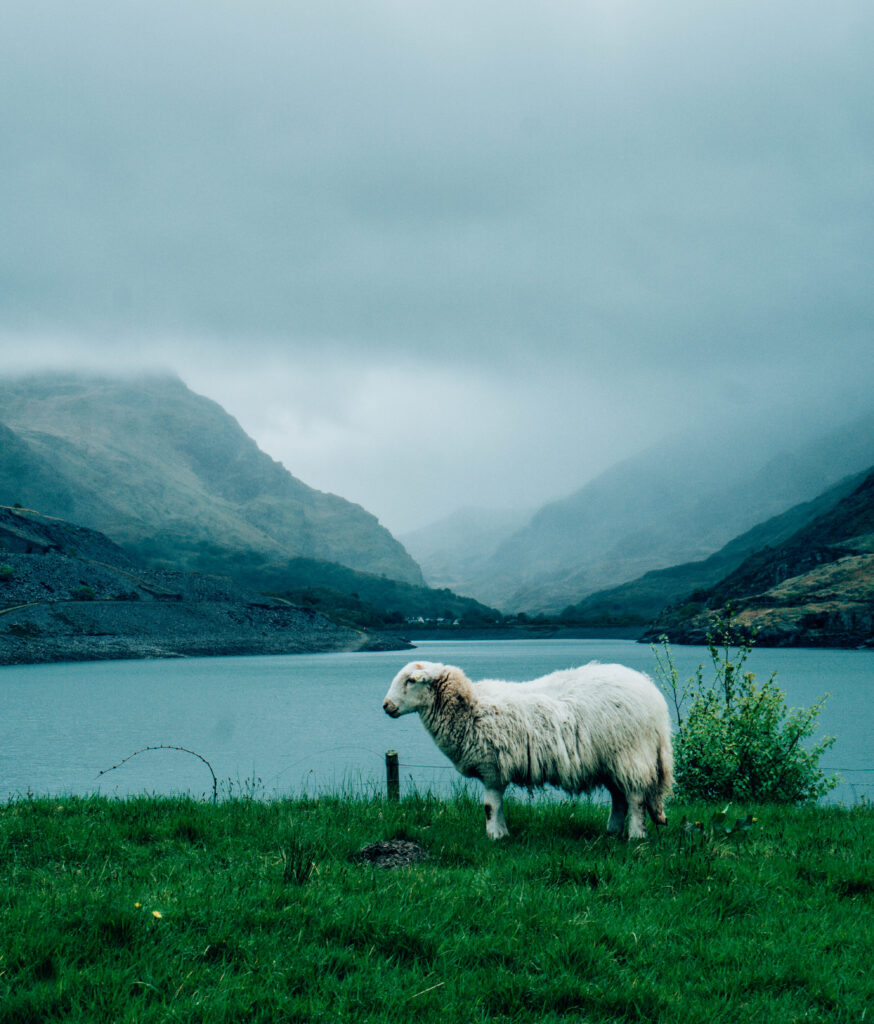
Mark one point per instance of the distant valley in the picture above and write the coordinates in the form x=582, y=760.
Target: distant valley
x=457, y=550
x=173, y=485
x=680, y=503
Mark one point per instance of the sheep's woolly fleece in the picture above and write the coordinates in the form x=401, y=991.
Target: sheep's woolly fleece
x=577, y=729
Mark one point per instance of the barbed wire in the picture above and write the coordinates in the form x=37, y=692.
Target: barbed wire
x=168, y=746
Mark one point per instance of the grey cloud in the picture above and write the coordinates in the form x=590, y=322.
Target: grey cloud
x=617, y=191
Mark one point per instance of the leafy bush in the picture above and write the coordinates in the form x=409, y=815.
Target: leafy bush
x=738, y=740
x=6, y=573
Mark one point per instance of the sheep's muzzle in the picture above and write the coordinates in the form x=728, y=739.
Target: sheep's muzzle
x=390, y=708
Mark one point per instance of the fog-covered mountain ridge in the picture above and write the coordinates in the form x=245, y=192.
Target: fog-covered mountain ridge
x=172, y=477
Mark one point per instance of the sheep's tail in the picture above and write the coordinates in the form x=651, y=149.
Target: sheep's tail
x=655, y=799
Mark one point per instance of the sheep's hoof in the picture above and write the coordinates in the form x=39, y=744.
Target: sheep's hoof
x=498, y=833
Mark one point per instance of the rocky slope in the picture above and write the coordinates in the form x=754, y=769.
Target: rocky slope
x=68, y=593
x=814, y=589
x=173, y=478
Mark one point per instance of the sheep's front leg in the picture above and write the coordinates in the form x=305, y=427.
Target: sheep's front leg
x=496, y=827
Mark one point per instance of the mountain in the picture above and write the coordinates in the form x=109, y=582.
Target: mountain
x=678, y=503
x=816, y=588
x=68, y=593
x=457, y=549
x=643, y=599
x=173, y=479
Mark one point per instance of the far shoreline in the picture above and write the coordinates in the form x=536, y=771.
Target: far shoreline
x=427, y=633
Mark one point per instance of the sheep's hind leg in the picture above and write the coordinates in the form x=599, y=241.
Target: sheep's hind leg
x=496, y=826
x=656, y=807
x=636, y=819
x=616, y=821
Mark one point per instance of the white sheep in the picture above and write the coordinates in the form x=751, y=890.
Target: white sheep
x=598, y=725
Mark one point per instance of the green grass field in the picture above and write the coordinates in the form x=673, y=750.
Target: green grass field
x=154, y=909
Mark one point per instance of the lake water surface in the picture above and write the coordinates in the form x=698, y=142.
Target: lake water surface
x=287, y=725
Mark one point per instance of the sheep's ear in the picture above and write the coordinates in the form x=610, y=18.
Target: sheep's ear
x=420, y=672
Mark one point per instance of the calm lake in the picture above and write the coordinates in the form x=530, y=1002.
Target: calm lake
x=287, y=725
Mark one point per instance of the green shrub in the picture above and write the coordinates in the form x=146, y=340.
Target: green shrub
x=84, y=594
x=6, y=573
x=738, y=740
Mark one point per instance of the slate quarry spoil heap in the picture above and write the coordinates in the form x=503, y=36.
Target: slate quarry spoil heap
x=68, y=593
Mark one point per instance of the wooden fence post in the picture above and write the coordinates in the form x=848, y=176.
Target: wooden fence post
x=392, y=775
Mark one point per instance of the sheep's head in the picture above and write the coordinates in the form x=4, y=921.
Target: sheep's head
x=411, y=688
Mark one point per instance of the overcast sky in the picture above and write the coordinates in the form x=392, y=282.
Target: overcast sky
x=444, y=253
